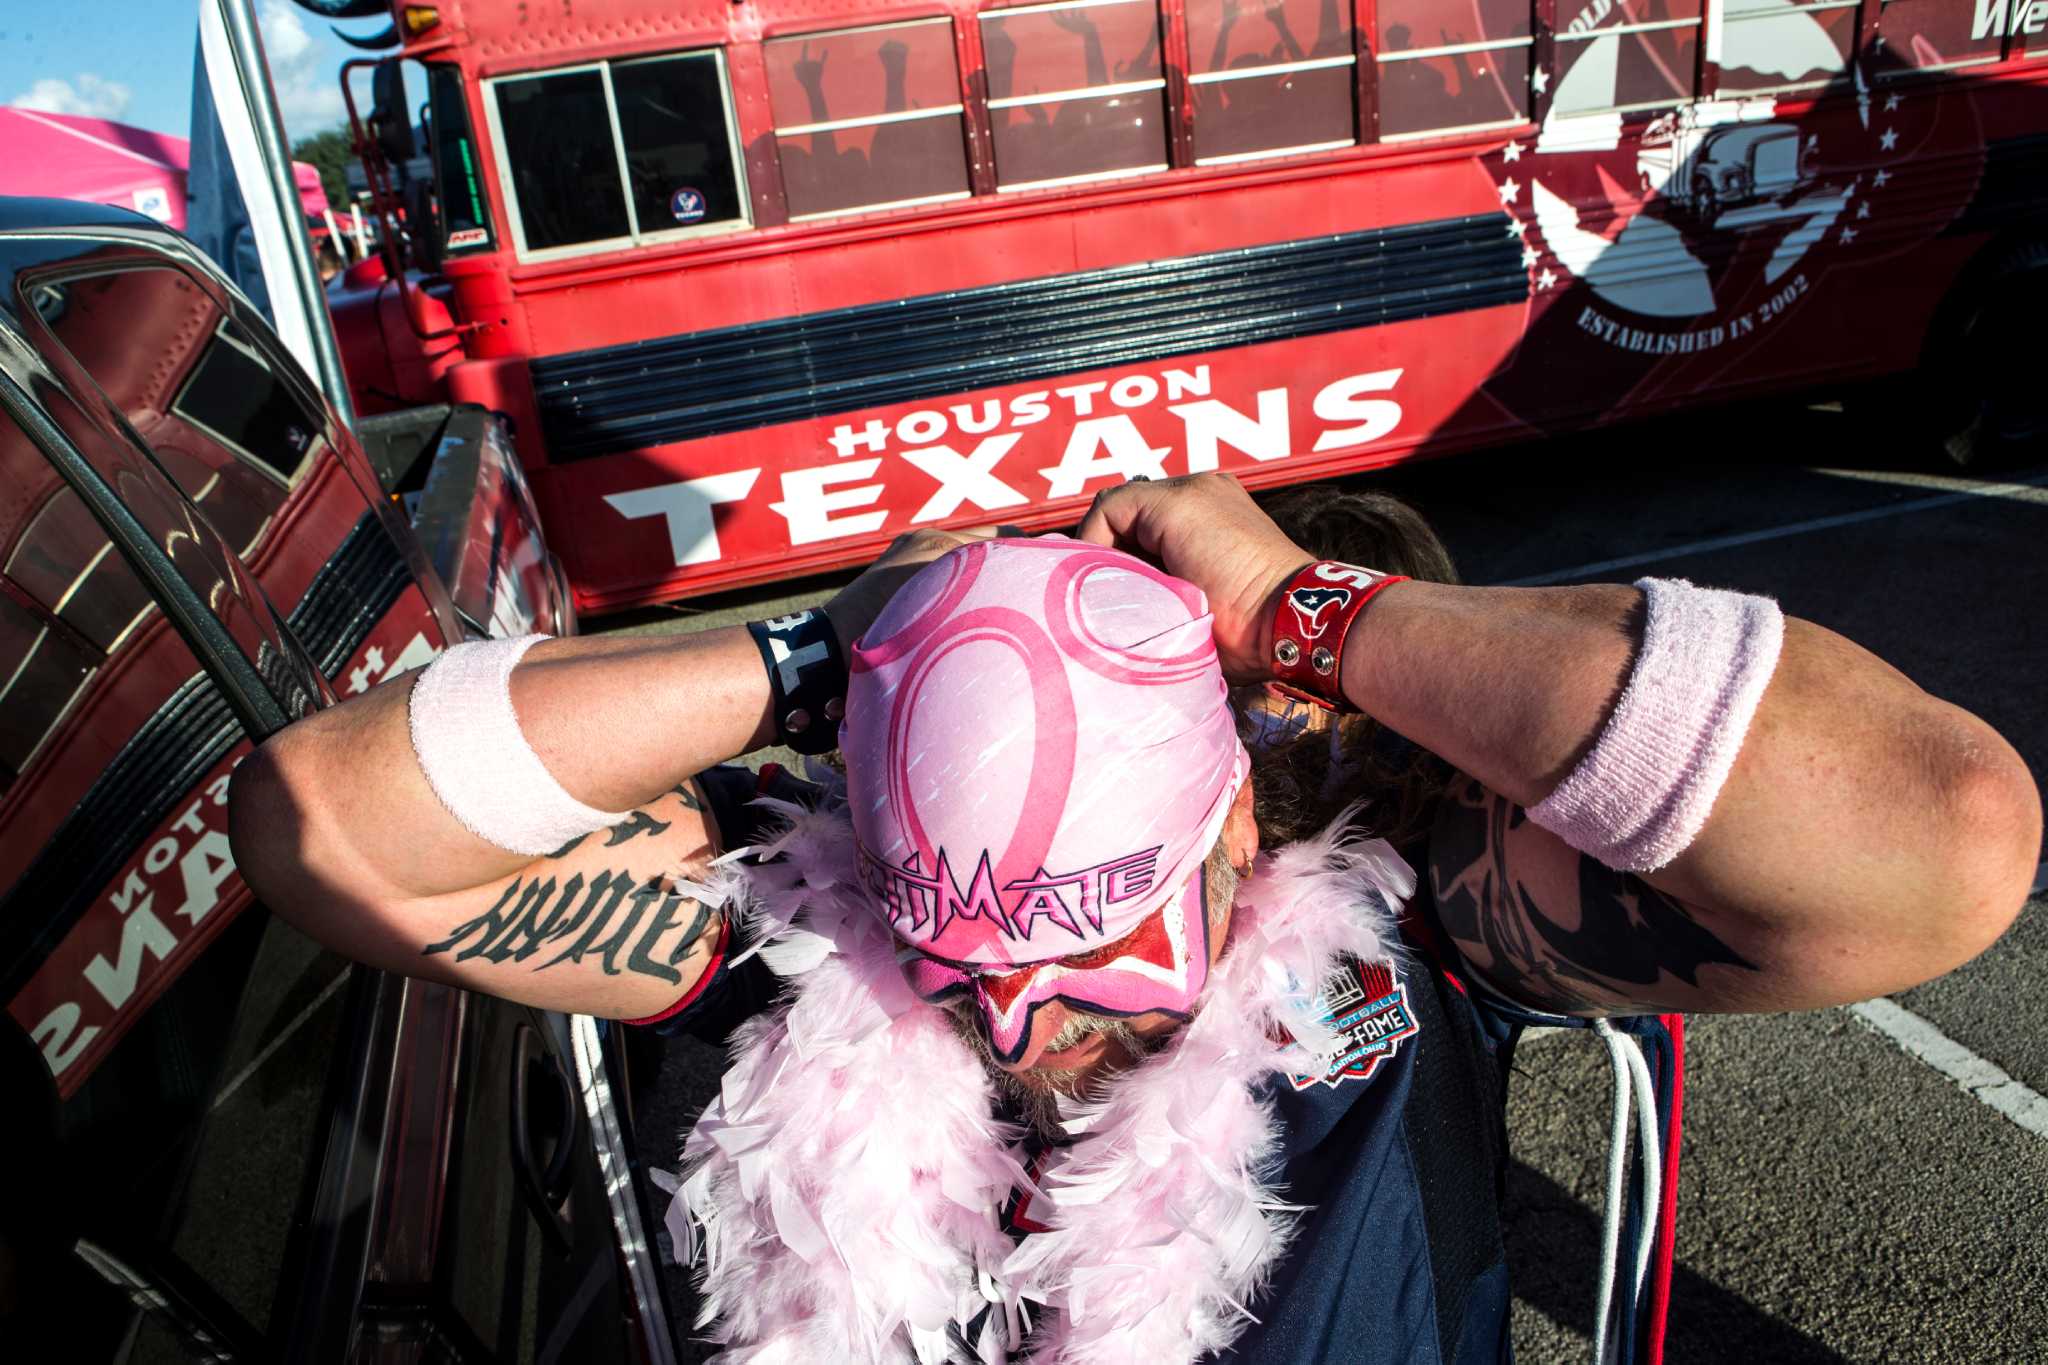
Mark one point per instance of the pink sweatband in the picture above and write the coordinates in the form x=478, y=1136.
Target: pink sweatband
x=467, y=738
x=1645, y=790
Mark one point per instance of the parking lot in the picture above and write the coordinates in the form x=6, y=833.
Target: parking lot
x=1856, y=1185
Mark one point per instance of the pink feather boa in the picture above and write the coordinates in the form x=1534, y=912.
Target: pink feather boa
x=847, y=1179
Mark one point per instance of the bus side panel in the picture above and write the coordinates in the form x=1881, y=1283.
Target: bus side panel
x=767, y=503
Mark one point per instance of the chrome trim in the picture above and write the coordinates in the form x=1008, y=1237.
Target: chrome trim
x=615, y=1166
x=1245, y=73
x=833, y=125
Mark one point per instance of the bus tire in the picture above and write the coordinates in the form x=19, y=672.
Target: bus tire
x=1987, y=407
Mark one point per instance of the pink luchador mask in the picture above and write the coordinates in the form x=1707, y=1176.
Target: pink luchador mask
x=1040, y=754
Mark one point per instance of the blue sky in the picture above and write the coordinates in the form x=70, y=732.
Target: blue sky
x=132, y=60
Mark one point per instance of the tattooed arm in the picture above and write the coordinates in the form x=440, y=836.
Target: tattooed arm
x=335, y=827
x=1553, y=928
x=1869, y=836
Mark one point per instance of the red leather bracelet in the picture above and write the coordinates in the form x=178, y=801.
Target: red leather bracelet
x=1316, y=611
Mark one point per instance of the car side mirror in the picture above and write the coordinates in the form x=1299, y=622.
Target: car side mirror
x=390, y=117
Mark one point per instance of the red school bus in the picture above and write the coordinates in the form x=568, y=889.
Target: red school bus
x=761, y=284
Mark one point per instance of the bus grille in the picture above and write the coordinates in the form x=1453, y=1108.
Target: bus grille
x=680, y=388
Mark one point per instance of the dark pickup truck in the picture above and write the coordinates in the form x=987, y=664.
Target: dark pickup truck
x=221, y=1142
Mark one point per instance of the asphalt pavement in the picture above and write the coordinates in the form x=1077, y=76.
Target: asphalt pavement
x=1840, y=1198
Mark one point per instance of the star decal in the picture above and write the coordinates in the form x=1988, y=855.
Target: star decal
x=1541, y=80
x=1863, y=209
x=1848, y=234
x=1546, y=279
x=1889, y=139
x=1511, y=152
x=1509, y=190
x=1891, y=102
x=1881, y=177
x=1530, y=255
x=1516, y=227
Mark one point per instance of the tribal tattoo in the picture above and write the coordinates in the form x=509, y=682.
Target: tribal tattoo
x=636, y=823
x=1624, y=947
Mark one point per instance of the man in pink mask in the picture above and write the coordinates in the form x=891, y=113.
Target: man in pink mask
x=1040, y=757
x=1259, y=1110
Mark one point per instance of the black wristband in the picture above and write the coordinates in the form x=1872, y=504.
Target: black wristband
x=806, y=677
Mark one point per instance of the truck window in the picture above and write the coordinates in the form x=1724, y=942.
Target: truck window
x=868, y=118
x=1447, y=68
x=1625, y=60
x=227, y=417
x=1270, y=80
x=1076, y=91
x=616, y=153
x=188, y=1039
x=193, y=387
x=465, y=213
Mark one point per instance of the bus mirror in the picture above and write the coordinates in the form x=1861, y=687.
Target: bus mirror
x=389, y=114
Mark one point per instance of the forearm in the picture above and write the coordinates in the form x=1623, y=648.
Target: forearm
x=1509, y=685
x=339, y=802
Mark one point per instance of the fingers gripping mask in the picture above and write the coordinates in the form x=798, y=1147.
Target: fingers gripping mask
x=1040, y=754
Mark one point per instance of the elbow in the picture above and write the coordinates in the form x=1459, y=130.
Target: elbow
x=266, y=828
x=1989, y=827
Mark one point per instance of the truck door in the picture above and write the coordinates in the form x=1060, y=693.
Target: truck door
x=251, y=1149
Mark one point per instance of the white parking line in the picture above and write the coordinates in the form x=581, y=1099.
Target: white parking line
x=226, y=1092
x=2019, y=490
x=1980, y=1079
x=1965, y=490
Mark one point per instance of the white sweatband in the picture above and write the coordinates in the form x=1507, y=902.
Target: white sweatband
x=467, y=737
x=1645, y=790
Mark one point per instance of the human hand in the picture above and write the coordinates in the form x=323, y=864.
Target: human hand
x=857, y=605
x=808, y=70
x=1206, y=529
x=1074, y=21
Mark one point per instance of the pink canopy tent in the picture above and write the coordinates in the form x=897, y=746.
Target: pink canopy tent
x=65, y=156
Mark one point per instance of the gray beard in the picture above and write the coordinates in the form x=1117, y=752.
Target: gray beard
x=1034, y=1096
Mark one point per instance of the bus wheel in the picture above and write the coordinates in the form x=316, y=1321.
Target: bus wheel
x=1988, y=405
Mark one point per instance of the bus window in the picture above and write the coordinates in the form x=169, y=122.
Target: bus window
x=1776, y=45
x=1270, y=79
x=850, y=141
x=465, y=215
x=1076, y=91
x=567, y=137
x=555, y=139
x=680, y=144
x=1928, y=35
x=1443, y=68
x=1632, y=61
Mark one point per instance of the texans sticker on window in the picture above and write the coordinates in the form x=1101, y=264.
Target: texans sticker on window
x=687, y=205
